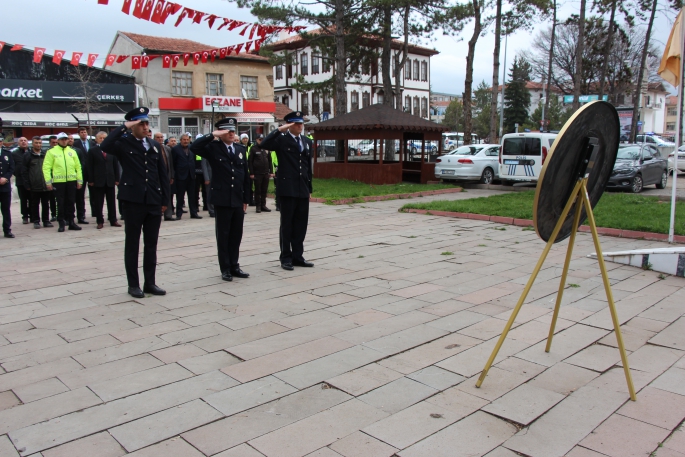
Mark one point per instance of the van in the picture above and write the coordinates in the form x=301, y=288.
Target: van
x=521, y=156
x=452, y=140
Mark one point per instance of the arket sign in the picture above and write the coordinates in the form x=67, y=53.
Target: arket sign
x=18, y=89
x=21, y=92
x=224, y=104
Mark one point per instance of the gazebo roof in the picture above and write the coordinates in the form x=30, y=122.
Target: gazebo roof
x=381, y=117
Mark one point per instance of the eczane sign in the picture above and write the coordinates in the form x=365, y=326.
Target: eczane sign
x=224, y=104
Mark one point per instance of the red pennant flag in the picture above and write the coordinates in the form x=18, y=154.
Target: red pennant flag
x=121, y=58
x=138, y=8
x=234, y=25
x=213, y=54
x=2, y=45
x=38, y=55
x=196, y=58
x=210, y=20
x=144, y=61
x=147, y=10
x=91, y=59
x=103, y=2
x=57, y=58
x=226, y=21
x=76, y=57
x=198, y=17
x=186, y=57
x=254, y=27
x=169, y=10
x=222, y=53
x=257, y=44
x=17, y=47
x=175, y=59
x=187, y=12
x=205, y=55
x=159, y=11
x=242, y=32
x=247, y=46
x=229, y=50
x=238, y=48
x=135, y=62
x=166, y=61
x=126, y=8
x=111, y=58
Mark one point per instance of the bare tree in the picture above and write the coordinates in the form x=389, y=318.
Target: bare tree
x=579, y=56
x=643, y=63
x=551, y=58
x=86, y=100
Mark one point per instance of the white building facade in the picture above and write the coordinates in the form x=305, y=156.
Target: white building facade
x=364, y=89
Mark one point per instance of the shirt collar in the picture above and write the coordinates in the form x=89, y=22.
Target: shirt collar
x=294, y=136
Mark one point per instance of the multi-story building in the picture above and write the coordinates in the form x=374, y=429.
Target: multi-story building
x=362, y=90
x=671, y=117
x=444, y=97
x=439, y=101
x=180, y=98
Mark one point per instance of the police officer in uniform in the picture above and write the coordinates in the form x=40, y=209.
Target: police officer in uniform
x=230, y=192
x=6, y=172
x=144, y=186
x=294, y=152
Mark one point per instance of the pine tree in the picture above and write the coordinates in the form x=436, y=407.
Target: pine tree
x=516, y=96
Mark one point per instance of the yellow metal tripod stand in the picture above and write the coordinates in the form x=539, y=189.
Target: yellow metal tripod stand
x=579, y=197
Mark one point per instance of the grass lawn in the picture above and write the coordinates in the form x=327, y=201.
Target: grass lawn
x=614, y=210
x=336, y=189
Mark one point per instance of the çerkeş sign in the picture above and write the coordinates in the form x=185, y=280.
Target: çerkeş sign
x=26, y=90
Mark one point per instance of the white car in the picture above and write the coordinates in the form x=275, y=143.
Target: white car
x=681, y=160
x=656, y=140
x=475, y=162
x=366, y=147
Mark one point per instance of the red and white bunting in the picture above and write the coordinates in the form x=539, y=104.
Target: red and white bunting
x=91, y=59
x=17, y=47
x=38, y=55
x=111, y=58
x=57, y=57
x=76, y=57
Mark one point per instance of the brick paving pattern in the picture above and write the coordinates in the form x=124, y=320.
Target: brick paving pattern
x=372, y=353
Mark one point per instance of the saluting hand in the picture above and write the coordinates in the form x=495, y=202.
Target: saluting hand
x=218, y=133
x=130, y=124
x=284, y=127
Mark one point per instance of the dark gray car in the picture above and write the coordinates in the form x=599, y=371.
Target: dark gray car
x=638, y=165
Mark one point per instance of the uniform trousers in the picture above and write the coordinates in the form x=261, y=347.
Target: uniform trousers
x=80, y=199
x=42, y=199
x=261, y=187
x=294, y=220
x=97, y=200
x=53, y=204
x=229, y=234
x=145, y=218
x=24, y=201
x=5, y=203
x=65, y=193
x=184, y=186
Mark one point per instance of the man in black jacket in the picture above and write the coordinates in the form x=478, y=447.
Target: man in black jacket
x=103, y=175
x=82, y=146
x=145, y=189
x=230, y=192
x=260, y=167
x=294, y=153
x=34, y=183
x=18, y=155
x=6, y=172
x=184, y=167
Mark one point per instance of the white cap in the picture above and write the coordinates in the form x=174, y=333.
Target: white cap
x=244, y=135
x=62, y=135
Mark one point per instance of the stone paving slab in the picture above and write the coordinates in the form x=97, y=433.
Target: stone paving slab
x=374, y=352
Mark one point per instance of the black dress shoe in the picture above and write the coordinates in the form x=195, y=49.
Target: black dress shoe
x=184, y=211
x=135, y=292
x=287, y=266
x=154, y=290
x=47, y=224
x=36, y=225
x=53, y=219
x=212, y=215
x=226, y=276
x=196, y=216
x=302, y=263
x=238, y=273
x=73, y=226
x=265, y=209
x=9, y=235
x=83, y=221
x=25, y=220
x=170, y=219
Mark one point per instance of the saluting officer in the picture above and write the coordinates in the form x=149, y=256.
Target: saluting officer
x=230, y=192
x=294, y=152
x=144, y=186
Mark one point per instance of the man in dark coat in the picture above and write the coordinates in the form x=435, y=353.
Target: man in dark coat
x=82, y=145
x=18, y=155
x=144, y=186
x=103, y=175
x=230, y=192
x=294, y=153
x=184, y=167
x=169, y=162
x=260, y=167
x=6, y=172
x=34, y=183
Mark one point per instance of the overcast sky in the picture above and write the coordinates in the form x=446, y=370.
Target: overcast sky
x=85, y=26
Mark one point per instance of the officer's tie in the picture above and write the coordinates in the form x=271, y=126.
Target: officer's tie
x=299, y=143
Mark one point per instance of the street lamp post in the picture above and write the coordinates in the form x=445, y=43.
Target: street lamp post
x=543, y=100
x=504, y=77
x=215, y=103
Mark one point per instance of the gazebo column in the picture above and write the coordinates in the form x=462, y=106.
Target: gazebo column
x=375, y=146
x=380, y=157
x=346, y=150
x=423, y=151
x=315, y=149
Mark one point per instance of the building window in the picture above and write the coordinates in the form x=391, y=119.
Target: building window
x=326, y=65
x=670, y=126
x=181, y=125
x=326, y=103
x=248, y=84
x=672, y=111
x=279, y=71
x=366, y=99
x=305, y=104
x=286, y=101
x=379, y=99
x=303, y=64
x=181, y=83
x=366, y=65
x=354, y=100
x=214, y=84
x=416, y=70
x=407, y=70
x=424, y=71
x=407, y=104
x=315, y=64
x=315, y=101
x=424, y=107
x=416, y=106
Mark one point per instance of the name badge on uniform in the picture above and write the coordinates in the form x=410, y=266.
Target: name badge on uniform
x=240, y=156
x=258, y=152
x=155, y=148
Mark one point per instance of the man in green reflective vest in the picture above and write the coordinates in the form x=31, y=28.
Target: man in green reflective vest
x=62, y=172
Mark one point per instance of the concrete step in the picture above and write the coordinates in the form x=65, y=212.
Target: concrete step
x=664, y=260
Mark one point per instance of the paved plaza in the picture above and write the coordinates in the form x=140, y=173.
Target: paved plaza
x=373, y=353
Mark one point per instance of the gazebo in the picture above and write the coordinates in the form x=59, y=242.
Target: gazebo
x=378, y=123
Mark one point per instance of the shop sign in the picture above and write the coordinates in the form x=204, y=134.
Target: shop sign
x=26, y=90
x=222, y=104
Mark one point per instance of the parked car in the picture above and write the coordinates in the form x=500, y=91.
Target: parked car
x=414, y=147
x=476, y=162
x=638, y=165
x=326, y=148
x=522, y=156
x=452, y=140
x=656, y=140
x=681, y=160
x=366, y=147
